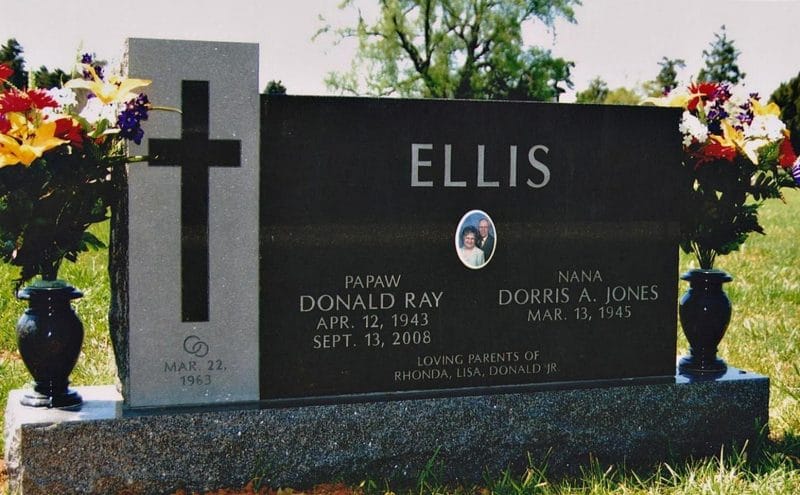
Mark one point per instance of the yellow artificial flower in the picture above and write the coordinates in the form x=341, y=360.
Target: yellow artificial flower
x=735, y=137
x=30, y=146
x=6, y=158
x=732, y=136
x=676, y=100
x=20, y=126
x=768, y=109
x=116, y=90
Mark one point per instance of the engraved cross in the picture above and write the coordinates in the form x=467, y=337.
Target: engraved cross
x=194, y=153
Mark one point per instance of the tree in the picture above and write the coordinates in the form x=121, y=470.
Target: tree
x=667, y=78
x=597, y=92
x=11, y=54
x=44, y=78
x=623, y=96
x=720, y=61
x=539, y=80
x=787, y=97
x=275, y=88
x=455, y=49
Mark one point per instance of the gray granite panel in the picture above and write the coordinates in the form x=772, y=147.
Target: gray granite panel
x=101, y=449
x=167, y=359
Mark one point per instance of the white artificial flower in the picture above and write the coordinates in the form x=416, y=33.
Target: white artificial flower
x=95, y=111
x=751, y=147
x=768, y=127
x=65, y=97
x=692, y=129
x=736, y=103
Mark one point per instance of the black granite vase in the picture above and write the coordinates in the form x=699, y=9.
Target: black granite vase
x=49, y=338
x=705, y=312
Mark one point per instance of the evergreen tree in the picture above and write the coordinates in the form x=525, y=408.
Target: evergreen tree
x=667, y=78
x=455, y=49
x=11, y=55
x=720, y=61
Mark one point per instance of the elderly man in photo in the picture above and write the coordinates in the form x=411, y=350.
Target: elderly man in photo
x=486, y=240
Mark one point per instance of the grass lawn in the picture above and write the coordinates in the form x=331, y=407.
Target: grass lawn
x=764, y=336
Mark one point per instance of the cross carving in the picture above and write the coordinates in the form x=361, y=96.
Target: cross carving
x=194, y=153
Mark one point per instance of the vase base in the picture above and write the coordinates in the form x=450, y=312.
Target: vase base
x=695, y=366
x=69, y=400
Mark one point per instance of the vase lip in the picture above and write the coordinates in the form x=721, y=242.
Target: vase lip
x=46, y=288
x=49, y=284
x=710, y=274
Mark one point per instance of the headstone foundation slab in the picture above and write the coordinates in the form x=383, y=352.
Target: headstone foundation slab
x=102, y=449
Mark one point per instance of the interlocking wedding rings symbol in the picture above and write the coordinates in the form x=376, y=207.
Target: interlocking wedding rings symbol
x=193, y=345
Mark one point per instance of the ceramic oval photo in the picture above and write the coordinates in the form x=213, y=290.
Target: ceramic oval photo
x=475, y=239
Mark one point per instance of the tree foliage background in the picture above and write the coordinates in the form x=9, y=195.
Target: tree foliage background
x=11, y=54
x=454, y=49
x=720, y=65
x=787, y=97
x=721, y=61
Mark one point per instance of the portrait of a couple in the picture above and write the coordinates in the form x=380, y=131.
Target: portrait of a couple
x=475, y=239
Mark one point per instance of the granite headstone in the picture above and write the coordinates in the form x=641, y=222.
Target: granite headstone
x=192, y=227
x=307, y=249
x=372, y=214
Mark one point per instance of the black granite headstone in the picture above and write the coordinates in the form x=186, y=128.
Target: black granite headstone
x=372, y=213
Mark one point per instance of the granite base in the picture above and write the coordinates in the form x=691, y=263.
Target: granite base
x=103, y=449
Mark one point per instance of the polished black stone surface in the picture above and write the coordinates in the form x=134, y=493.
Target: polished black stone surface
x=363, y=205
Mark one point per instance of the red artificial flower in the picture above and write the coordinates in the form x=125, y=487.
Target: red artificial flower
x=70, y=130
x=40, y=99
x=700, y=93
x=5, y=72
x=715, y=151
x=786, y=156
x=22, y=101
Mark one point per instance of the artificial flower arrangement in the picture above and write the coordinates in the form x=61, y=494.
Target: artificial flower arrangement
x=737, y=154
x=58, y=148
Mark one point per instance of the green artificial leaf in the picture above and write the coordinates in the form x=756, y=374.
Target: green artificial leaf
x=768, y=155
x=91, y=241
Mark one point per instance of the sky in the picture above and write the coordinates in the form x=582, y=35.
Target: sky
x=620, y=41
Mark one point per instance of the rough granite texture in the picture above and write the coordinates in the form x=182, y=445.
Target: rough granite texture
x=102, y=450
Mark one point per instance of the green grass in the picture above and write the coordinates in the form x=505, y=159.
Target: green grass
x=764, y=336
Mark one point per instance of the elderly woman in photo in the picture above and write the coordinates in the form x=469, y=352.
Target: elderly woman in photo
x=469, y=252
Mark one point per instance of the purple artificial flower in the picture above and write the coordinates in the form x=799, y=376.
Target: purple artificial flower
x=130, y=119
x=716, y=114
x=796, y=171
x=745, y=116
x=723, y=92
x=88, y=59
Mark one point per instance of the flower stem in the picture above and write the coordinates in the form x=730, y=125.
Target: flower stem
x=705, y=256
